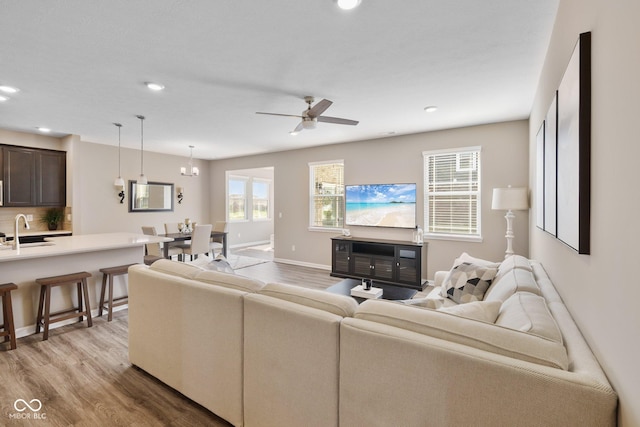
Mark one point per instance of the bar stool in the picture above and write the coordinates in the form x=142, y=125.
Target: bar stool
x=109, y=273
x=9, y=331
x=44, y=314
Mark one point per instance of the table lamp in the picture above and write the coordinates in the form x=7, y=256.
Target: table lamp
x=510, y=199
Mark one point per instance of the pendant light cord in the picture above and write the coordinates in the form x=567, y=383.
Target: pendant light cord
x=141, y=145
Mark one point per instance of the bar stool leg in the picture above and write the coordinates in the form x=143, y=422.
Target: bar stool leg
x=47, y=311
x=40, y=308
x=110, y=315
x=85, y=287
x=102, y=291
x=8, y=320
x=79, y=287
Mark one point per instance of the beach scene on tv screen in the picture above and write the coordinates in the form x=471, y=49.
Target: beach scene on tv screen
x=381, y=205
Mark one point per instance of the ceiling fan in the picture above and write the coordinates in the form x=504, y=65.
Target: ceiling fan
x=312, y=115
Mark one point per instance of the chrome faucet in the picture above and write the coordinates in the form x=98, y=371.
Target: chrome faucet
x=16, y=239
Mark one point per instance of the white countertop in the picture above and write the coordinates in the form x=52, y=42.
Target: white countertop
x=66, y=245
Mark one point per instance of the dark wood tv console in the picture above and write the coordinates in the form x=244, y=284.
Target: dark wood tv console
x=390, y=261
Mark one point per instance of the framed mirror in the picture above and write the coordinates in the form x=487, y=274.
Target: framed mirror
x=150, y=197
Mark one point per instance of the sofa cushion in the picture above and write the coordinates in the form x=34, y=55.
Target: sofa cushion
x=227, y=280
x=514, y=261
x=340, y=305
x=489, y=337
x=529, y=313
x=468, y=282
x=176, y=268
x=484, y=311
x=515, y=280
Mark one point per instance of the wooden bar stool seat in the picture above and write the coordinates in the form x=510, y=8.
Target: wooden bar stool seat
x=8, y=327
x=107, y=275
x=45, y=317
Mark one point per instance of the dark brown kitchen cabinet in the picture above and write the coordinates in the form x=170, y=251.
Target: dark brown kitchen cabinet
x=33, y=177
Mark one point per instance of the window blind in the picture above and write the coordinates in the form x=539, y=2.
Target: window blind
x=452, y=192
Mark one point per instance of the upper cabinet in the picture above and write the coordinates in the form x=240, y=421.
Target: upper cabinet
x=33, y=177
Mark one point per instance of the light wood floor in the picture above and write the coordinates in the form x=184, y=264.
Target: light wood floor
x=83, y=376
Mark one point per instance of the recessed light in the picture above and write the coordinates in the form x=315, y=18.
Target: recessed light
x=293, y=133
x=154, y=86
x=3, y=98
x=348, y=4
x=8, y=89
x=43, y=130
x=431, y=109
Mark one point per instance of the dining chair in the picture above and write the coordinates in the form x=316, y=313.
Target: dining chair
x=154, y=249
x=199, y=241
x=171, y=228
x=216, y=241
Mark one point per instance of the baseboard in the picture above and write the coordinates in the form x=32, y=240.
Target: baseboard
x=249, y=244
x=303, y=264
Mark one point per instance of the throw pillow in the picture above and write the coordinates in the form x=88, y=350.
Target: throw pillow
x=484, y=311
x=465, y=257
x=468, y=282
x=220, y=264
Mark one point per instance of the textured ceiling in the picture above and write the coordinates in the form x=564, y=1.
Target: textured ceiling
x=81, y=64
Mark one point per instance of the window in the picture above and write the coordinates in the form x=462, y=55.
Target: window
x=452, y=194
x=326, y=194
x=261, y=196
x=237, y=198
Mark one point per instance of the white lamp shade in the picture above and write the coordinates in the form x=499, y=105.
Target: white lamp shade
x=119, y=182
x=142, y=180
x=506, y=199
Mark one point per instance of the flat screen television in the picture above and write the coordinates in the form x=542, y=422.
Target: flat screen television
x=381, y=205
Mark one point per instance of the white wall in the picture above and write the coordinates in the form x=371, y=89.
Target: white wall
x=396, y=159
x=601, y=290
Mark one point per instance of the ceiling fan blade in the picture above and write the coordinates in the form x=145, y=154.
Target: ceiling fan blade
x=337, y=120
x=277, y=114
x=298, y=128
x=319, y=108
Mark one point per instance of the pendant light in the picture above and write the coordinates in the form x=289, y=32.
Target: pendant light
x=119, y=182
x=192, y=171
x=142, y=179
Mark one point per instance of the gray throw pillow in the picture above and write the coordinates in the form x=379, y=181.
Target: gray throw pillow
x=468, y=282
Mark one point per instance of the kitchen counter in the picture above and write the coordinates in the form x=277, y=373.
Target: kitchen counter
x=66, y=255
x=67, y=245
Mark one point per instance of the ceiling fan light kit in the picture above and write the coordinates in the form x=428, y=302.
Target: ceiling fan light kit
x=312, y=115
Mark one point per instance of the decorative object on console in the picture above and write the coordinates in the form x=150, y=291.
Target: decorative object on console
x=510, y=199
x=180, y=194
x=193, y=171
x=142, y=179
x=119, y=182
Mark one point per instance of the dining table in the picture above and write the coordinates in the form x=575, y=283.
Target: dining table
x=181, y=237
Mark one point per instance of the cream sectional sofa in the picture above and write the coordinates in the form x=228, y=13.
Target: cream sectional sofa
x=281, y=355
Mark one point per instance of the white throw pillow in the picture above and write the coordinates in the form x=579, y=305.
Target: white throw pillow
x=484, y=311
x=468, y=282
x=465, y=257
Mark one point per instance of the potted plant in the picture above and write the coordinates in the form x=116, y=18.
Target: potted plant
x=52, y=217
